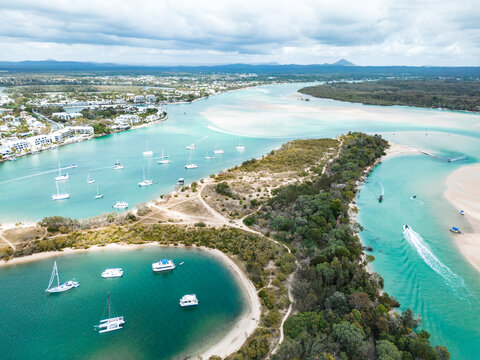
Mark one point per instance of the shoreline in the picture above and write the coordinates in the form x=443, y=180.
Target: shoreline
x=225, y=345
x=463, y=193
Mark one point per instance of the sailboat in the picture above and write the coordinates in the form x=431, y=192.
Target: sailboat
x=98, y=196
x=163, y=160
x=89, y=180
x=117, y=166
x=240, y=147
x=60, y=287
x=110, y=323
x=209, y=157
x=60, y=196
x=217, y=151
x=61, y=177
x=190, y=165
x=147, y=152
x=191, y=147
x=145, y=182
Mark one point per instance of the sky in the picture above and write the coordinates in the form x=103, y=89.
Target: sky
x=201, y=32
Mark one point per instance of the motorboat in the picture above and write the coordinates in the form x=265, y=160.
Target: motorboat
x=117, y=166
x=60, y=287
x=406, y=227
x=380, y=198
x=163, y=265
x=189, y=300
x=120, y=205
x=455, y=230
x=180, y=181
x=462, y=212
x=181, y=263
x=73, y=166
x=112, y=273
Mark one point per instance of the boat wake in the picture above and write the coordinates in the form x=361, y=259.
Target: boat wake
x=457, y=158
x=414, y=198
x=34, y=175
x=454, y=281
x=382, y=189
x=213, y=128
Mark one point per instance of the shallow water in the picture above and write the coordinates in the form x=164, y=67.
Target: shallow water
x=37, y=325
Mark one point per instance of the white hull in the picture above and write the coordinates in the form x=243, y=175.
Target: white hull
x=240, y=148
x=191, y=147
x=191, y=166
x=61, y=177
x=145, y=183
x=121, y=205
x=189, y=300
x=164, y=161
x=99, y=196
x=163, y=265
x=218, y=152
x=117, y=167
x=56, y=197
x=112, y=273
x=63, y=287
x=147, y=153
x=209, y=157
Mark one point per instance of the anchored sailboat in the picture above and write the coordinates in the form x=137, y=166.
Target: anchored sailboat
x=117, y=166
x=217, y=151
x=147, y=152
x=145, y=182
x=98, y=196
x=207, y=157
x=60, y=196
x=240, y=147
x=190, y=165
x=163, y=159
x=110, y=323
x=89, y=180
x=60, y=287
x=61, y=177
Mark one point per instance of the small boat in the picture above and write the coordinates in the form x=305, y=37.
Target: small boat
x=240, y=147
x=73, y=166
x=163, y=159
x=145, y=182
x=414, y=196
x=217, y=151
x=380, y=198
x=120, y=205
x=462, y=212
x=190, y=165
x=189, y=300
x=60, y=287
x=406, y=227
x=110, y=323
x=207, y=157
x=181, y=263
x=147, y=152
x=98, y=196
x=112, y=273
x=181, y=181
x=61, y=177
x=60, y=196
x=117, y=166
x=455, y=230
x=89, y=180
x=163, y=265
x=191, y=147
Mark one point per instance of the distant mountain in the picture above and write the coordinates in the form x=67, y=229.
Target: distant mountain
x=343, y=62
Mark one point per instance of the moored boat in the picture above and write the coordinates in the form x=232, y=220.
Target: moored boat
x=61, y=177
x=112, y=273
x=60, y=287
x=120, y=205
x=189, y=300
x=163, y=265
x=60, y=196
x=110, y=323
x=191, y=147
x=117, y=166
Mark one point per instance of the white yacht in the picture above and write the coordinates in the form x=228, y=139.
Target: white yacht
x=145, y=182
x=163, y=265
x=147, y=152
x=112, y=273
x=189, y=300
x=110, y=323
x=120, y=205
x=61, y=177
x=217, y=151
x=60, y=196
x=191, y=147
x=240, y=147
x=163, y=159
x=98, y=196
x=89, y=180
x=208, y=157
x=190, y=165
x=117, y=166
x=60, y=287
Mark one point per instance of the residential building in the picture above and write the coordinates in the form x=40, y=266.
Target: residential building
x=87, y=129
x=39, y=140
x=139, y=99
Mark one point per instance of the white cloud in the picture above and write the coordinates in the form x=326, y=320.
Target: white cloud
x=377, y=32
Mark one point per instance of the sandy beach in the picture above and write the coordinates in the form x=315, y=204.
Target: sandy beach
x=463, y=192
x=228, y=344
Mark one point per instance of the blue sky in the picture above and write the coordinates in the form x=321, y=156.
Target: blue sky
x=188, y=32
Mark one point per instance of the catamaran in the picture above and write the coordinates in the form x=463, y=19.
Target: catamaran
x=112, y=273
x=147, y=152
x=189, y=300
x=240, y=147
x=60, y=196
x=145, y=182
x=120, y=205
x=207, y=157
x=61, y=177
x=190, y=165
x=98, y=196
x=110, y=323
x=217, y=151
x=163, y=265
x=191, y=147
x=60, y=287
x=163, y=159
x=89, y=180
x=117, y=166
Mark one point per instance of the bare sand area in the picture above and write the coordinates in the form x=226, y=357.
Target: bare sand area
x=463, y=191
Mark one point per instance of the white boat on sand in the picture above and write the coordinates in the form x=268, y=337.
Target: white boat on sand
x=60, y=287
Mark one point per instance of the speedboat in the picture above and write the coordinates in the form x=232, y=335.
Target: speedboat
x=191, y=147
x=112, y=273
x=406, y=227
x=117, y=166
x=73, y=165
x=462, y=212
x=455, y=230
x=189, y=300
x=163, y=265
x=120, y=205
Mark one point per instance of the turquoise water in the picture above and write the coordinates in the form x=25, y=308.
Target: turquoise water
x=35, y=325
x=425, y=272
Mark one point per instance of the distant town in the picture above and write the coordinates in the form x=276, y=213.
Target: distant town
x=43, y=112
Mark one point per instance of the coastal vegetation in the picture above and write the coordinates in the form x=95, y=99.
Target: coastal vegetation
x=449, y=94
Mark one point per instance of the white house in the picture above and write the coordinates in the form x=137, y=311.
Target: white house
x=150, y=98
x=151, y=118
x=18, y=145
x=59, y=135
x=127, y=118
x=139, y=99
x=39, y=140
x=87, y=129
x=66, y=116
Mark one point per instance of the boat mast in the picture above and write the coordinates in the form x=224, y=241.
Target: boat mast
x=108, y=300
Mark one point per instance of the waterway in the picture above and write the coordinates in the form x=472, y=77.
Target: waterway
x=423, y=269
x=36, y=325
